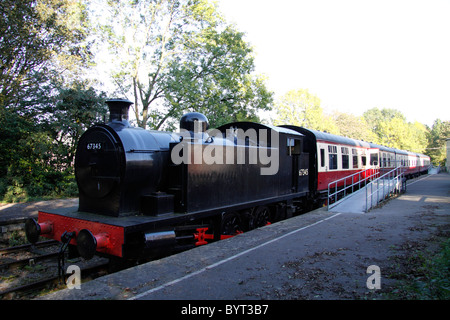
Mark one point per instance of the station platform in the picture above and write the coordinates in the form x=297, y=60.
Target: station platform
x=19, y=212
x=320, y=255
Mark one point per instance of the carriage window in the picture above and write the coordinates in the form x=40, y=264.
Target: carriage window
x=322, y=157
x=345, y=162
x=363, y=160
x=293, y=146
x=332, y=157
x=355, y=158
x=374, y=159
x=333, y=161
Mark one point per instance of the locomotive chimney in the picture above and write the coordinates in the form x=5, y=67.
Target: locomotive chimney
x=118, y=110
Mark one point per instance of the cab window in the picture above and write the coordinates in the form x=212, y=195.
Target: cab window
x=293, y=146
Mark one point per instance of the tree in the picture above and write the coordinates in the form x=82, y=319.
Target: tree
x=417, y=139
x=376, y=118
x=392, y=130
x=39, y=151
x=67, y=115
x=178, y=55
x=301, y=108
x=38, y=36
x=214, y=78
x=353, y=127
x=436, y=149
x=43, y=45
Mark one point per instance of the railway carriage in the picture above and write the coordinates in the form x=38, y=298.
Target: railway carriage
x=412, y=164
x=386, y=158
x=416, y=164
x=424, y=163
x=333, y=157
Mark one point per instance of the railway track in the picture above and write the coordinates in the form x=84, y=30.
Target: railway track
x=27, y=270
x=27, y=246
x=32, y=289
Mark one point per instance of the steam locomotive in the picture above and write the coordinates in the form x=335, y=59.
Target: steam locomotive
x=144, y=192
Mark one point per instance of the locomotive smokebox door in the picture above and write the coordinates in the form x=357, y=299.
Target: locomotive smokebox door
x=157, y=203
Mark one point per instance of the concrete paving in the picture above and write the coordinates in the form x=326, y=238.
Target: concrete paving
x=317, y=255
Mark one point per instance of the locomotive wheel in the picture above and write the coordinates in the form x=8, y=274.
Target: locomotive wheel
x=261, y=216
x=231, y=224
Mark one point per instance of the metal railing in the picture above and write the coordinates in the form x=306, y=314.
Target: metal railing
x=340, y=189
x=390, y=183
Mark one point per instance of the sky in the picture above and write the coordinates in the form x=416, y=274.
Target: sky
x=353, y=54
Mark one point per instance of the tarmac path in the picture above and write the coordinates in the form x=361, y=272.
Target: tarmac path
x=9, y=211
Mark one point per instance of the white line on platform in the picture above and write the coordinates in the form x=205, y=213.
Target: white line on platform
x=418, y=180
x=226, y=260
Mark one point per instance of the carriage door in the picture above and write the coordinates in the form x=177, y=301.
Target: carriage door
x=294, y=151
x=374, y=160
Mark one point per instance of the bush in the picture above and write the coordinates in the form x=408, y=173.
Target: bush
x=37, y=185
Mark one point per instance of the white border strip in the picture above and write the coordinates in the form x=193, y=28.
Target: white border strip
x=418, y=180
x=226, y=260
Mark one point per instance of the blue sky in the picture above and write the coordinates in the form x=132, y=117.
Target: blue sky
x=353, y=54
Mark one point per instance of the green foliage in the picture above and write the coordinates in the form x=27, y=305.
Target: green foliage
x=39, y=152
x=173, y=56
x=437, y=141
x=428, y=277
x=68, y=115
x=38, y=36
x=43, y=45
x=352, y=126
x=392, y=130
x=301, y=108
x=214, y=78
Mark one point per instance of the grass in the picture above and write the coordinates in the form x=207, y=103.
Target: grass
x=427, y=276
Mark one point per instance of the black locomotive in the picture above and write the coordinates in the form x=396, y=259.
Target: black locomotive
x=142, y=192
